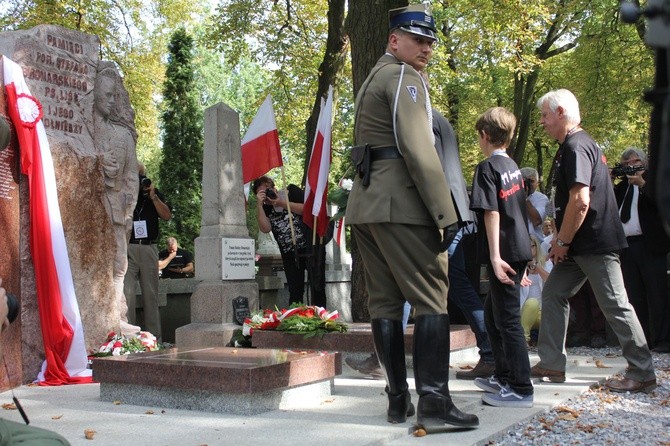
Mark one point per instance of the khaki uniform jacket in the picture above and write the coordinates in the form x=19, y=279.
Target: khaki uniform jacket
x=392, y=109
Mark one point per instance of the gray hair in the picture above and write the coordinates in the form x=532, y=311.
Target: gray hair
x=565, y=99
x=629, y=152
x=530, y=172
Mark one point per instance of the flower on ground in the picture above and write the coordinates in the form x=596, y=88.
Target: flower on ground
x=118, y=344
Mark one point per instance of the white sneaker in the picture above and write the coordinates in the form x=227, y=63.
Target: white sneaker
x=490, y=384
x=507, y=398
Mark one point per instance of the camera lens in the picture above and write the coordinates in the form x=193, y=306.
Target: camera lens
x=270, y=194
x=14, y=307
x=146, y=182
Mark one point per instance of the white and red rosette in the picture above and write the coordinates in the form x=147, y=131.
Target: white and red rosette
x=30, y=109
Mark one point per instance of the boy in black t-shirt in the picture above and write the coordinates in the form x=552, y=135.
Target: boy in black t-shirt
x=504, y=245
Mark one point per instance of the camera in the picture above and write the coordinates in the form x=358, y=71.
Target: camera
x=13, y=306
x=146, y=182
x=527, y=186
x=271, y=194
x=620, y=171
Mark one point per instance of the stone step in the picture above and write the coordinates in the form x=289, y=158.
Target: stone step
x=358, y=339
x=217, y=379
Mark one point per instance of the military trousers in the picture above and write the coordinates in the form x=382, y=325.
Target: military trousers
x=403, y=263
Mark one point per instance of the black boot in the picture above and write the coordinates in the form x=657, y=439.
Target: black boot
x=368, y=366
x=389, y=342
x=431, y=374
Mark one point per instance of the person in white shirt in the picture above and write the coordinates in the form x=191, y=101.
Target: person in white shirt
x=536, y=202
x=530, y=298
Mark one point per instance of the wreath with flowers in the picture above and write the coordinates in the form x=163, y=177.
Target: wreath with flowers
x=308, y=320
x=118, y=344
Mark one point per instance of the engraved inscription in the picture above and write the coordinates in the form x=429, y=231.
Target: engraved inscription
x=64, y=44
x=63, y=79
x=7, y=184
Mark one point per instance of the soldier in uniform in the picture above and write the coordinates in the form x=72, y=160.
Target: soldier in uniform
x=403, y=218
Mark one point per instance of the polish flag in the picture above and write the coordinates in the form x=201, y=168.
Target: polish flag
x=62, y=332
x=316, y=188
x=260, y=145
x=339, y=231
x=345, y=184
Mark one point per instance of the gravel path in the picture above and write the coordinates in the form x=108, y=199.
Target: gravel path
x=600, y=417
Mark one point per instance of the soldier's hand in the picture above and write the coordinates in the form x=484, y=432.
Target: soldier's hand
x=448, y=235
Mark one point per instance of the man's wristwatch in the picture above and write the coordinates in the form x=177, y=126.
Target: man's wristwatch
x=561, y=243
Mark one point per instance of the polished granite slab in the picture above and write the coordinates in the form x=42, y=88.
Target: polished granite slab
x=240, y=381
x=224, y=369
x=357, y=339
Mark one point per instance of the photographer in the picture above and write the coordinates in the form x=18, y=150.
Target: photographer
x=296, y=249
x=644, y=262
x=143, y=254
x=12, y=433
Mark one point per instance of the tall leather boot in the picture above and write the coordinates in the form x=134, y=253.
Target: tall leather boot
x=431, y=374
x=389, y=342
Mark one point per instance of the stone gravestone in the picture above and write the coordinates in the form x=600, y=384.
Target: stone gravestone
x=223, y=217
x=93, y=149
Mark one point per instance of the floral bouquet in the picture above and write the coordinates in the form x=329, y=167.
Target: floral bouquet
x=307, y=320
x=340, y=196
x=118, y=344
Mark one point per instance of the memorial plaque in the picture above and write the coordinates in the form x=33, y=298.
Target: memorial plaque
x=241, y=309
x=238, y=257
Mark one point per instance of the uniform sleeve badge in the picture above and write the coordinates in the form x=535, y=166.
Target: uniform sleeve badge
x=412, y=92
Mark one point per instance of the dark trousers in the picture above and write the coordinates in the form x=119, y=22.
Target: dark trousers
x=503, y=324
x=645, y=278
x=463, y=295
x=295, y=268
x=316, y=268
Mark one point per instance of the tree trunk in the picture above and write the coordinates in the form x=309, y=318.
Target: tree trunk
x=524, y=101
x=367, y=25
x=333, y=61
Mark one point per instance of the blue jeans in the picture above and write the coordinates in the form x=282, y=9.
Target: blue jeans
x=464, y=296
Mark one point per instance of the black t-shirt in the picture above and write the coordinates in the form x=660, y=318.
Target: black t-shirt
x=279, y=222
x=580, y=160
x=180, y=260
x=498, y=186
x=145, y=210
